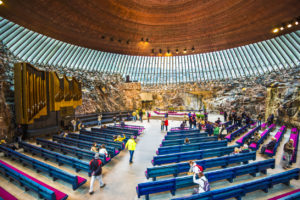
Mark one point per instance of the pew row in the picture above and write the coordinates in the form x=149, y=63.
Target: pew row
x=236, y=133
x=79, y=153
x=292, y=195
x=118, y=145
x=55, y=173
x=192, y=155
x=57, y=157
x=191, y=147
x=183, y=132
x=29, y=183
x=278, y=136
x=83, y=144
x=183, y=136
x=295, y=137
x=217, y=175
x=175, y=169
x=248, y=135
x=192, y=140
x=263, y=136
x=240, y=190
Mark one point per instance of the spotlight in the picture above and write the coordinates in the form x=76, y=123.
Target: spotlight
x=296, y=22
x=275, y=30
x=193, y=49
x=142, y=39
x=282, y=28
x=147, y=40
x=289, y=25
x=184, y=51
x=177, y=51
x=168, y=51
x=1, y=2
x=160, y=50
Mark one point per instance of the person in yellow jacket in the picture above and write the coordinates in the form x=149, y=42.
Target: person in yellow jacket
x=130, y=145
x=119, y=138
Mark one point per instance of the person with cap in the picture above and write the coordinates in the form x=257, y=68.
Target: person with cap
x=130, y=145
x=96, y=172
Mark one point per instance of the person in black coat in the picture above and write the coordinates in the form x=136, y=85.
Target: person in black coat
x=96, y=172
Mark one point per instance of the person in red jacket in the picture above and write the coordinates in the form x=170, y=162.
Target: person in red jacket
x=166, y=124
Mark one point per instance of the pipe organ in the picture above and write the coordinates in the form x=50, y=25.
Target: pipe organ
x=39, y=92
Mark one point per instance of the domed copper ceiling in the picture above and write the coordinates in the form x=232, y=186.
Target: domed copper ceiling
x=119, y=26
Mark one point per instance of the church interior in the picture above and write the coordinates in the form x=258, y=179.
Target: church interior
x=149, y=99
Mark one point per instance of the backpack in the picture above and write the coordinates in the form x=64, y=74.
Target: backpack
x=206, y=186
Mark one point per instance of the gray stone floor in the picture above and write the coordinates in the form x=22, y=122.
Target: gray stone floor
x=121, y=178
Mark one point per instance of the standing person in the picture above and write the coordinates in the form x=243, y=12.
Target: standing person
x=73, y=122
x=134, y=116
x=130, y=145
x=120, y=117
x=162, y=125
x=216, y=131
x=194, y=121
x=190, y=121
x=225, y=116
x=19, y=132
x=288, y=150
x=96, y=172
x=94, y=148
x=259, y=117
x=166, y=124
x=202, y=181
x=223, y=132
x=148, y=116
x=141, y=115
x=128, y=116
x=115, y=120
x=99, y=119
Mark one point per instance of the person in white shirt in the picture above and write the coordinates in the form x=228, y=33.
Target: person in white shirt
x=202, y=181
x=103, y=150
x=99, y=120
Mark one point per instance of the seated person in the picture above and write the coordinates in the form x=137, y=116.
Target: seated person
x=94, y=148
x=269, y=146
x=187, y=141
x=103, y=150
x=245, y=149
x=122, y=123
x=8, y=145
x=83, y=127
x=223, y=132
x=218, y=121
x=182, y=125
x=255, y=139
x=201, y=180
x=236, y=151
x=119, y=138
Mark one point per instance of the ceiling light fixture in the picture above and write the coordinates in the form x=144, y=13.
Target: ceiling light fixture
x=177, y=51
x=289, y=25
x=282, y=28
x=296, y=22
x=1, y=2
x=160, y=50
x=184, y=51
x=193, y=49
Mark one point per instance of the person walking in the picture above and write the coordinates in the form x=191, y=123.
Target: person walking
x=259, y=120
x=96, y=172
x=288, y=150
x=225, y=116
x=162, y=125
x=130, y=145
x=166, y=124
x=141, y=115
x=148, y=116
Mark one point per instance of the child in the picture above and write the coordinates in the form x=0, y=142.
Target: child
x=103, y=150
x=202, y=181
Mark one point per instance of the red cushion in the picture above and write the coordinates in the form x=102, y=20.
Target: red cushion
x=107, y=159
x=285, y=194
x=253, y=145
x=268, y=151
x=80, y=180
x=6, y=195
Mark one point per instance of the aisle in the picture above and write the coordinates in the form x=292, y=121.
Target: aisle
x=121, y=178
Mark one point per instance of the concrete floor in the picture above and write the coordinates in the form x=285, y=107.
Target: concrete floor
x=121, y=178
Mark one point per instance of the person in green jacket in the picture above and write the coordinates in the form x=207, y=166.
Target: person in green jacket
x=130, y=145
x=216, y=131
